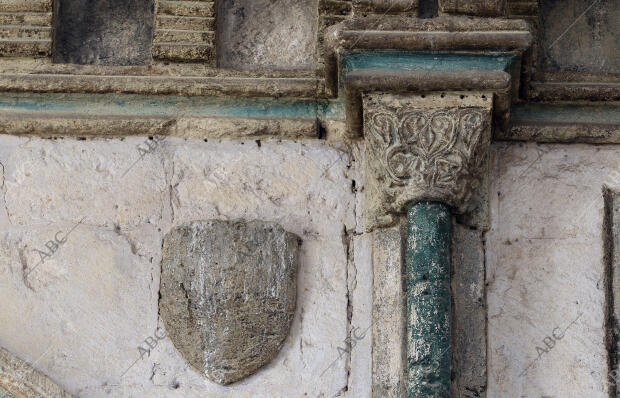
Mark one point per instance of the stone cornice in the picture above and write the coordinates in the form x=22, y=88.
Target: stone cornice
x=567, y=123
x=464, y=41
x=114, y=115
x=385, y=6
x=245, y=86
x=452, y=34
x=372, y=32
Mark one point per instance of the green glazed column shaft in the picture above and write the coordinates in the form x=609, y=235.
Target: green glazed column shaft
x=429, y=301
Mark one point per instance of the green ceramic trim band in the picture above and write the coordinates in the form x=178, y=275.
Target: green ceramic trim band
x=428, y=300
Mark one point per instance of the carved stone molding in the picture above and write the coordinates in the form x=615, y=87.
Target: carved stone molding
x=25, y=28
x=20, y=380
x=385, y=6
x=185, y=31
x=444, y=33
x=424, y=147
x=489, y=8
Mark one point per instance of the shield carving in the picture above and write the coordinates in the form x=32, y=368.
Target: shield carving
x=227, y=294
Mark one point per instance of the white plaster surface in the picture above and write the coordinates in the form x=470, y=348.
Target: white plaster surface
x=545, y=268
x=80, y=315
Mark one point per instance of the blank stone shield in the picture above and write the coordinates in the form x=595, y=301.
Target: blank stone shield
x=227, y=294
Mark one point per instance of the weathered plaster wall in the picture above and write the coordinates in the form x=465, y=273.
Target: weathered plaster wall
x=80, y=315
x=545, y=270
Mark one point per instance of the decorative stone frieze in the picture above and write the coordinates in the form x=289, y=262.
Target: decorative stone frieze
x=424, y=147
x=185, y=31
x=25, y=28
x=20, y=380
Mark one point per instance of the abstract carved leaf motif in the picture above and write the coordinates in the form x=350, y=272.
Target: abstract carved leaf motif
x=383, y=126
x=430, y=148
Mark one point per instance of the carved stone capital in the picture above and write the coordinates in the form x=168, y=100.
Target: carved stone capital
x=424, y=147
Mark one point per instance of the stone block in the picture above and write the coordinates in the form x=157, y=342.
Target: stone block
x=579, y=36
x=469, y=331
x=103, y=32
x=267, y=34
x=227, y=294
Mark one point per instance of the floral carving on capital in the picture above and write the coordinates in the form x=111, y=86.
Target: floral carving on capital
x=417, y=153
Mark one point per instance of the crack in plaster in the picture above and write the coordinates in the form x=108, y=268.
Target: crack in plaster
x=4, y=192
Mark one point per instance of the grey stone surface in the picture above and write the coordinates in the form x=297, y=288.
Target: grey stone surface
x=612, y=285
x=105, y=32
x=469, y=353
x=228, y=294
x=580, y=36
x=388, y=351
x=270, y=34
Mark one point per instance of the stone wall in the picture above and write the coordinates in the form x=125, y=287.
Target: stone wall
x=115, y=131
x=81, y=313
x=546, y=270
x=96, y=296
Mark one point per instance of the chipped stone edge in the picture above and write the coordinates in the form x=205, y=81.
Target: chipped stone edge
x=21, y=379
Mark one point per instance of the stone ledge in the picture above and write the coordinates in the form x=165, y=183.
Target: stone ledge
x=489, y=8
x=303, y=87
x=40, y=75
x=434, y=34
x=568, y=133
x=564, y=123
x=112, y=126
x=385, y=6
x=574, y=91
